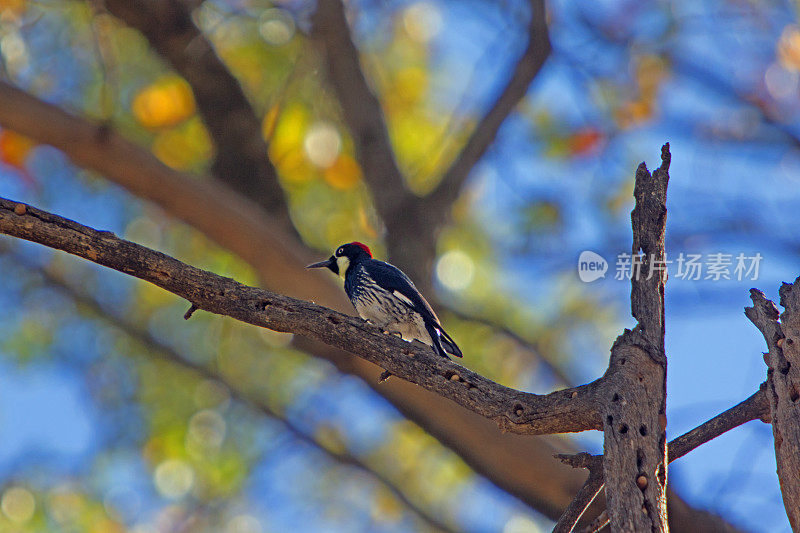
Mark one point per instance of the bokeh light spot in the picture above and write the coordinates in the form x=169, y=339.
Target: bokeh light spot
x=174, y=478
x=520, y=524
x=455, y=270
x=18, y=504
x=276, y=26
x=322, y=144
x=780, y=82
x=243, y=523
x=207, y=428
x=422, y=21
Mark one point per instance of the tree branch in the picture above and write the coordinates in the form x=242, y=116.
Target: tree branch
x=412, y=223
x=241, y=159
x=587, y=493
x=515, y=411
x=523, y=467
x=224, y=216
x=531, y=61
x=754, y=407
x=520, y=466
x=362, y=111
x=783, y=386
x=635, y=415
x=162, y=351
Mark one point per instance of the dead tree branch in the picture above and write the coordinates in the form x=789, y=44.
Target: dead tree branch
x=159, y=350
x=226, y=217
x=783, y=386
x=588, y=492
x=515, y=411
x=753, y=408
x=523, y=467
x=635, y=411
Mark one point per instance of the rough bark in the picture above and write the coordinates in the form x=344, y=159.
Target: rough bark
x=783, y=386
x=160, y=350
x=635, y=465
x=754, y=407
x=521, y=466
x=515, y=411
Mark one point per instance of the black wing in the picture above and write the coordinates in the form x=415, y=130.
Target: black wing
x=394, y=280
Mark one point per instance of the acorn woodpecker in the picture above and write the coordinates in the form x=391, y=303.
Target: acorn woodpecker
x=383, y=295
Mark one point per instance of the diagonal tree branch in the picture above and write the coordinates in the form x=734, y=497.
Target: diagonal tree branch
x=754, y=407
x=361, y=109
x=588, y=492
x=160, y=350
x=241, y=159
x=783, y=386
x=531, y=61
x=412, y=223
x=515, y=411
x=523, y=467
x=520, y=466
x=225, y=217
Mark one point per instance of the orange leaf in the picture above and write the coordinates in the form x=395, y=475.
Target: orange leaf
x=584, y=140
x=14, y=148
x=343, y=174
x=163, y=104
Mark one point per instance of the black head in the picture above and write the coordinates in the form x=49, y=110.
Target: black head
x=343, y=257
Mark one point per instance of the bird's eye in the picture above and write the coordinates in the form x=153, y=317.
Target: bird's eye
x=339, y=251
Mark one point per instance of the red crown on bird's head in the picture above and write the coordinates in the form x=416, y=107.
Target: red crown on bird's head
x=363, y=247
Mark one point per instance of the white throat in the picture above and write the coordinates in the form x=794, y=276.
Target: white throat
x=342, y=262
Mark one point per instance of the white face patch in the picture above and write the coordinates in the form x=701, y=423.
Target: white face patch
x=342, y=262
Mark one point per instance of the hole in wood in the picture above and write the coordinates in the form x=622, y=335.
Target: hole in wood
x=448, y=374
x=789, y=342
x=623, y=428
x=639, y=458
x=333, y=320
x=643, y=430
x=615, y=398
x=518, y=409
x=785, y=369
x=794, y=395
x=661, y=473
x=610, y=420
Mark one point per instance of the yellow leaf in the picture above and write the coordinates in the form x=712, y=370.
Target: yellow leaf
x=165, y=103
x=289, y=132
x=183, y=147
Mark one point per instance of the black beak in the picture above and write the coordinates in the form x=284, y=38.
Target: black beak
x=323, y=264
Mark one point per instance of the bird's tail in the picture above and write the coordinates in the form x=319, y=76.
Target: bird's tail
x=442, y=342
x=449, y=344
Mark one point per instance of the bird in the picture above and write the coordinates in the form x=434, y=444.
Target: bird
x=383, y=295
